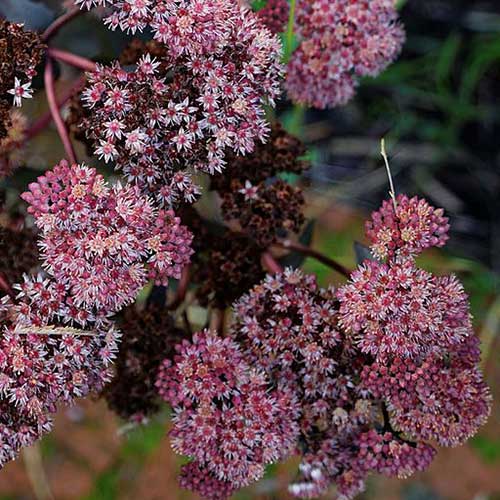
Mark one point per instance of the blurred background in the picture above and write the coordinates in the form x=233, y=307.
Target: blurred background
x=439, y=109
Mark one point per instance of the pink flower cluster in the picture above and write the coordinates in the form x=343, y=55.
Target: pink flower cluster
x=42, y=365
x=289, y=328
x=226, y=418
x=397, y=309
x=102, y=243
x=275, y=15
x=380, y=367
x=181, y=113
x=340, y=41
x=407, y=229
x=438, y=397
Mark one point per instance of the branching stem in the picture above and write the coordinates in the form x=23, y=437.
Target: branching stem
x=56, y=114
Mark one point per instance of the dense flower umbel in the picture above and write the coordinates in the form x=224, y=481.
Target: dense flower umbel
x=149, y=337
x=286, y=324
x=290, y=329
x=42, y=366
x=340, y=40
x=407, y=230
x=439, y=397
x=226, y=418
x=20, y=53
x=202, y=96
x=103, y=243
x=397, y=309
x=264, y=211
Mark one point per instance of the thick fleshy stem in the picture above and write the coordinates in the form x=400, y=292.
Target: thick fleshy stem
x=72, y=59
x=56, y=115
x=181, y=290
x=4, y=285
x=216, y=320
x=297, y=247
x=44, y=120
x=271, y=264
x=290, y=32
x=61, y=21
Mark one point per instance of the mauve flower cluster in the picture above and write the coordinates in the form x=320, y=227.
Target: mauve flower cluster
x=103, y=243
x=340, y=41
x=289, y=328
x=20, y=52
x=227, y=419
x=275, y=15
x=379, y=367
x=202, y=95
x=407, y=229
x=42, y=365
x=397, y=309
x=437, y=397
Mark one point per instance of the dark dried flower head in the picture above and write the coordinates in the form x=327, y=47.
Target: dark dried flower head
x=226, y=267
x=20, y=53
x=412, y=228
x=149, y=337
x=264, y=212
x=340, y=41
x=226, y=418
x=281, y=153
x=18, y=254
x=11, y=146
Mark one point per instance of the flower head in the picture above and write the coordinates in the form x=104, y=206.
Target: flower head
x=340, y=41
x=408, y=229
x=226, y=418
x=197, y=92
x=103, y=243
x=397, y=309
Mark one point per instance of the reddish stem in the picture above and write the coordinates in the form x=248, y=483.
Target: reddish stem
x=44, y=120
x=271, y=264
x=181, y=290
x=72, y=59
x=216, y=320
x=297, y=247
x=54, y=28
x=56, y=115
x=5, y=286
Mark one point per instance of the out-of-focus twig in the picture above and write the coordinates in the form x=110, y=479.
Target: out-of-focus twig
x=44, y=120
x=271, y=264
x=33, y=463
x=489, y=331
